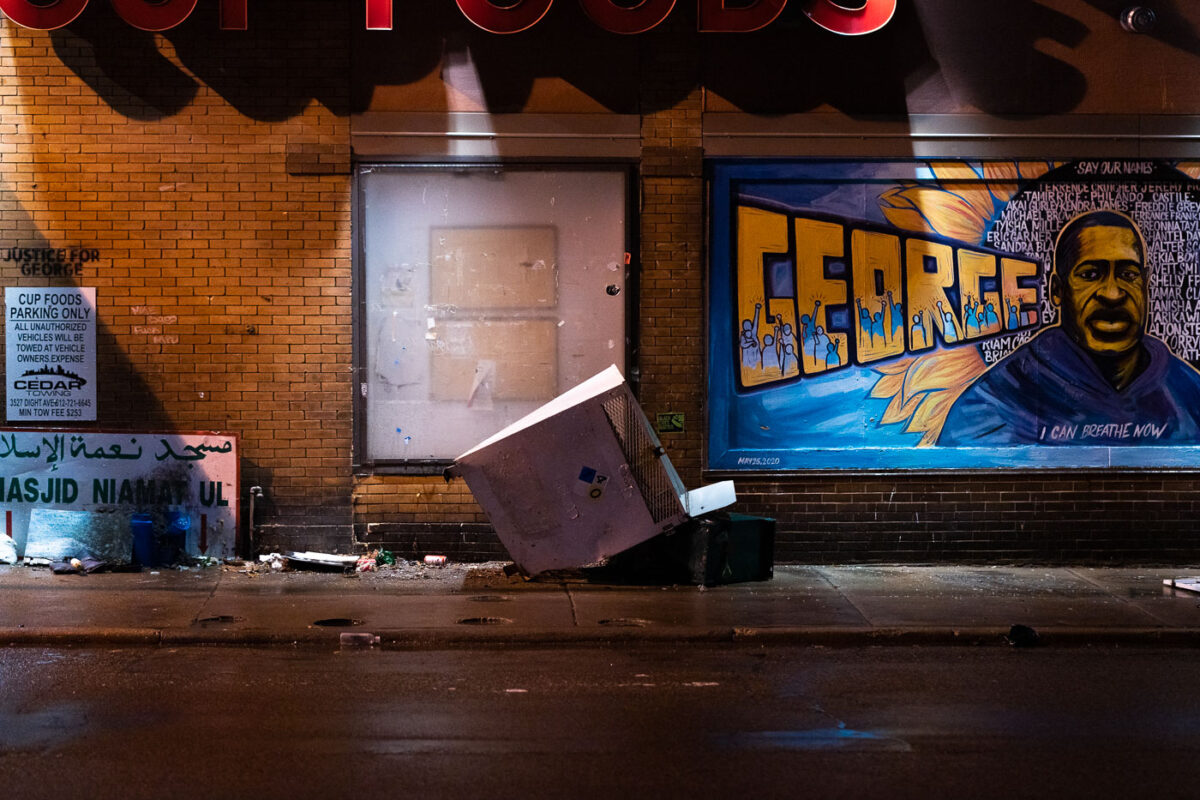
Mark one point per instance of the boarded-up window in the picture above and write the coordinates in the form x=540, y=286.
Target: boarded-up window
x=485, y=292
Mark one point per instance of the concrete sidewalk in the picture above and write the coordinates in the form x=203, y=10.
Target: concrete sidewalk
x=475, y=605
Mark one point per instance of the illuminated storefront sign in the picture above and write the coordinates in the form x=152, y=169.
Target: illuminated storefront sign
x=846, y=17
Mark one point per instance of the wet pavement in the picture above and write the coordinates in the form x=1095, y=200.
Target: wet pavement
x=656, y=720
x=479, y=604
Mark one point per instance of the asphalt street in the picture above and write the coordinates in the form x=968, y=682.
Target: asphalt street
x=638, y=720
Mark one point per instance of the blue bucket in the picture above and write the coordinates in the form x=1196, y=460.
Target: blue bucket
x=142, y=526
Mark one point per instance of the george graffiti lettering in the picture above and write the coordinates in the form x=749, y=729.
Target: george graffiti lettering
x=816, y=295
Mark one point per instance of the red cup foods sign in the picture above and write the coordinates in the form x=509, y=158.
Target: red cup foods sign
x=846, y=17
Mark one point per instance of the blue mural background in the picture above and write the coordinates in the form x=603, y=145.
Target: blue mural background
x=847, y=419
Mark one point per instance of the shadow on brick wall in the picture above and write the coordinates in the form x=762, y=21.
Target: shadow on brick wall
x=604, y=66
x=296, y=52
x=291, y=55
x=931, y=58
x=126, y=401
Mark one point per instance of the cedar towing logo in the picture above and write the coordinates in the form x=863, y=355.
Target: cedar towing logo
x=48, y=380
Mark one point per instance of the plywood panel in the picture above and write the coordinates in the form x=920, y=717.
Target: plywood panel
x=480, y=268
x=481, y=361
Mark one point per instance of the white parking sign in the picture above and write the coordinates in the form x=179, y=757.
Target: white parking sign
x=50, y=349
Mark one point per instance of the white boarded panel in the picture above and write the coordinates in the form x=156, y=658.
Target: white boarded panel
x=485, y=360
x=477, y=268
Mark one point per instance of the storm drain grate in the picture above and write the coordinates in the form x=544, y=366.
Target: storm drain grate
x=484, y=621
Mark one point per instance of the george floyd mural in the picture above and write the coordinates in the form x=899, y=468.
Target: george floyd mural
x=913, y=315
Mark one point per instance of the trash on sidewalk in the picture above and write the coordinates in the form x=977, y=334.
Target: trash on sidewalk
x=581, y=479
x=65, y=567
x=309, y=559
x=1186, y=584
x=8, y=549
x=356, y=639
x=1023, y=636
x=275, y=561
x=435, y=561
x=79, y=566
x=365, y=564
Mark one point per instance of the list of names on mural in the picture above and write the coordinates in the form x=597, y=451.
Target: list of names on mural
x=1168, y=215
x=1171, y=222
x=50, y=352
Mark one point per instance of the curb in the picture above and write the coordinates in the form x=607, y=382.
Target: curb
x=445, y=638
x=24, y=637
x=968, y=636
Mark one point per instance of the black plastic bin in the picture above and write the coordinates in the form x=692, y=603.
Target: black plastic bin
x=715, y=549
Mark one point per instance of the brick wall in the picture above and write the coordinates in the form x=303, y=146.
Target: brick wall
x=1074, y=517
x=671, y=322
x=415, y=515
x=211, y=171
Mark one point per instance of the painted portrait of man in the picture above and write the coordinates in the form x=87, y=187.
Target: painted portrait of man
x=1095, y=378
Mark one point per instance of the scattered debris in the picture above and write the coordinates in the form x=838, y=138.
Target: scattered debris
x=435, y=561
x=80, y=566
x=275, y=561
x=356, y=639
x=365, y=564
x=314, y=560
x=1187, y=584
x=8, y=549
x=1023, y=636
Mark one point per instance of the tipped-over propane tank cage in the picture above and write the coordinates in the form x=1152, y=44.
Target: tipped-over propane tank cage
x=581, y=479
